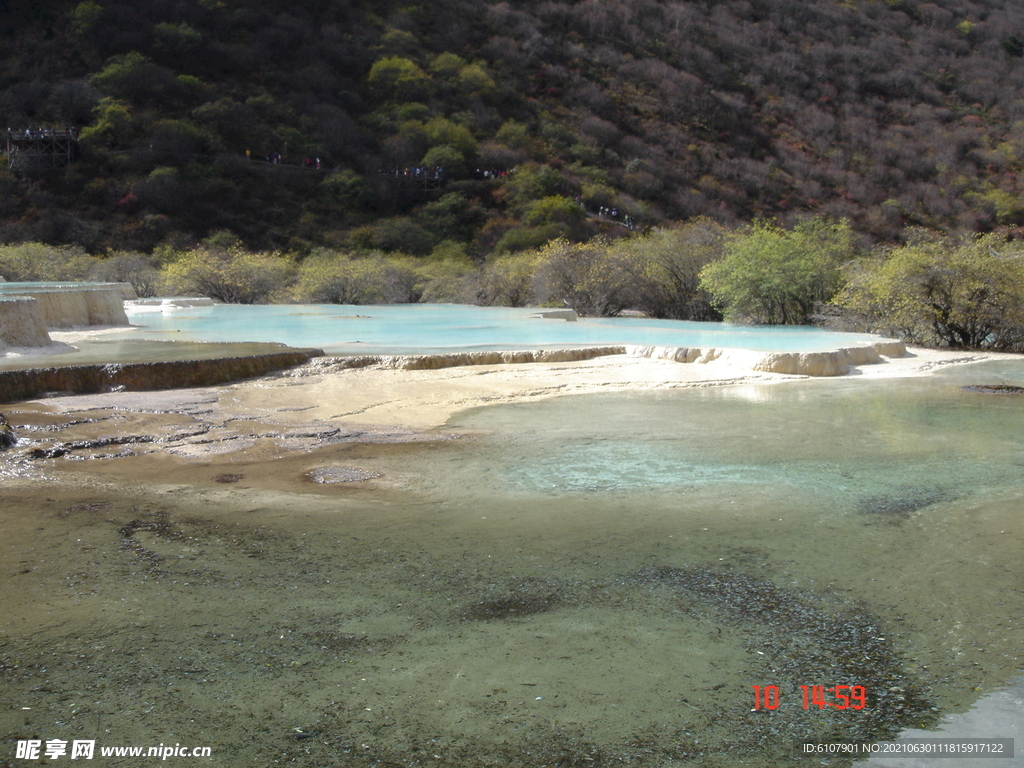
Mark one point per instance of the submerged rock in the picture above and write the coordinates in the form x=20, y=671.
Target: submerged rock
x=561, y=314
x=7, y=436
x=331, y=475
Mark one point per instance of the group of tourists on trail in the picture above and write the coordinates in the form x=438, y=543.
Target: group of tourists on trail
x=43, y=133
x=417, y=172
x=275, y=158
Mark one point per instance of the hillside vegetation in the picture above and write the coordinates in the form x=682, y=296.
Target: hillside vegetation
x=890, y=114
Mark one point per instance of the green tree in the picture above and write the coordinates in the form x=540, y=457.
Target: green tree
x=346, y=188
x=441, y=131
x=775, y=276
x=85, y=18
x=451, y=218
x=666, y=265
x=398, y=42
x=401, y=234
x=516, y=135
x=36, y=261
x=554, y=209
x=115, y=124
x=445, y=273
x=230, y=275
x=474, y=80
x=447, y=157
x=1005, y=207
x=586, y=277
x=129, y=267
x=395, y=78
x=137, y=78
x=447, y=65
x=176, y=39
x=532, y=182
x=178, y=138
x=165, y=190
x=508, y=281
x=330, y=277
x=950, y=292
x=527, y=238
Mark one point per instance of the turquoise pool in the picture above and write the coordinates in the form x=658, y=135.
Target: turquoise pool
x=424, y=328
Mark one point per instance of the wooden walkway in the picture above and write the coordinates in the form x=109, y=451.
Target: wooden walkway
x=41, y=149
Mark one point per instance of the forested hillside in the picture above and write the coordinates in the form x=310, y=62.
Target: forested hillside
x=473, y=126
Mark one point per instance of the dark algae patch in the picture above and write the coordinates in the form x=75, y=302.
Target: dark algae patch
x=522, y=598
x=899, y=507
x=63, y=449
x=792, y=639
x=801, y=642
x=993, y=389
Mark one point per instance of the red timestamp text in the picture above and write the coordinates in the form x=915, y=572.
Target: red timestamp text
x=820, y=696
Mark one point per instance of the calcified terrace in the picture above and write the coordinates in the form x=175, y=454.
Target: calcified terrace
x=35, y=317
x=28, y=311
